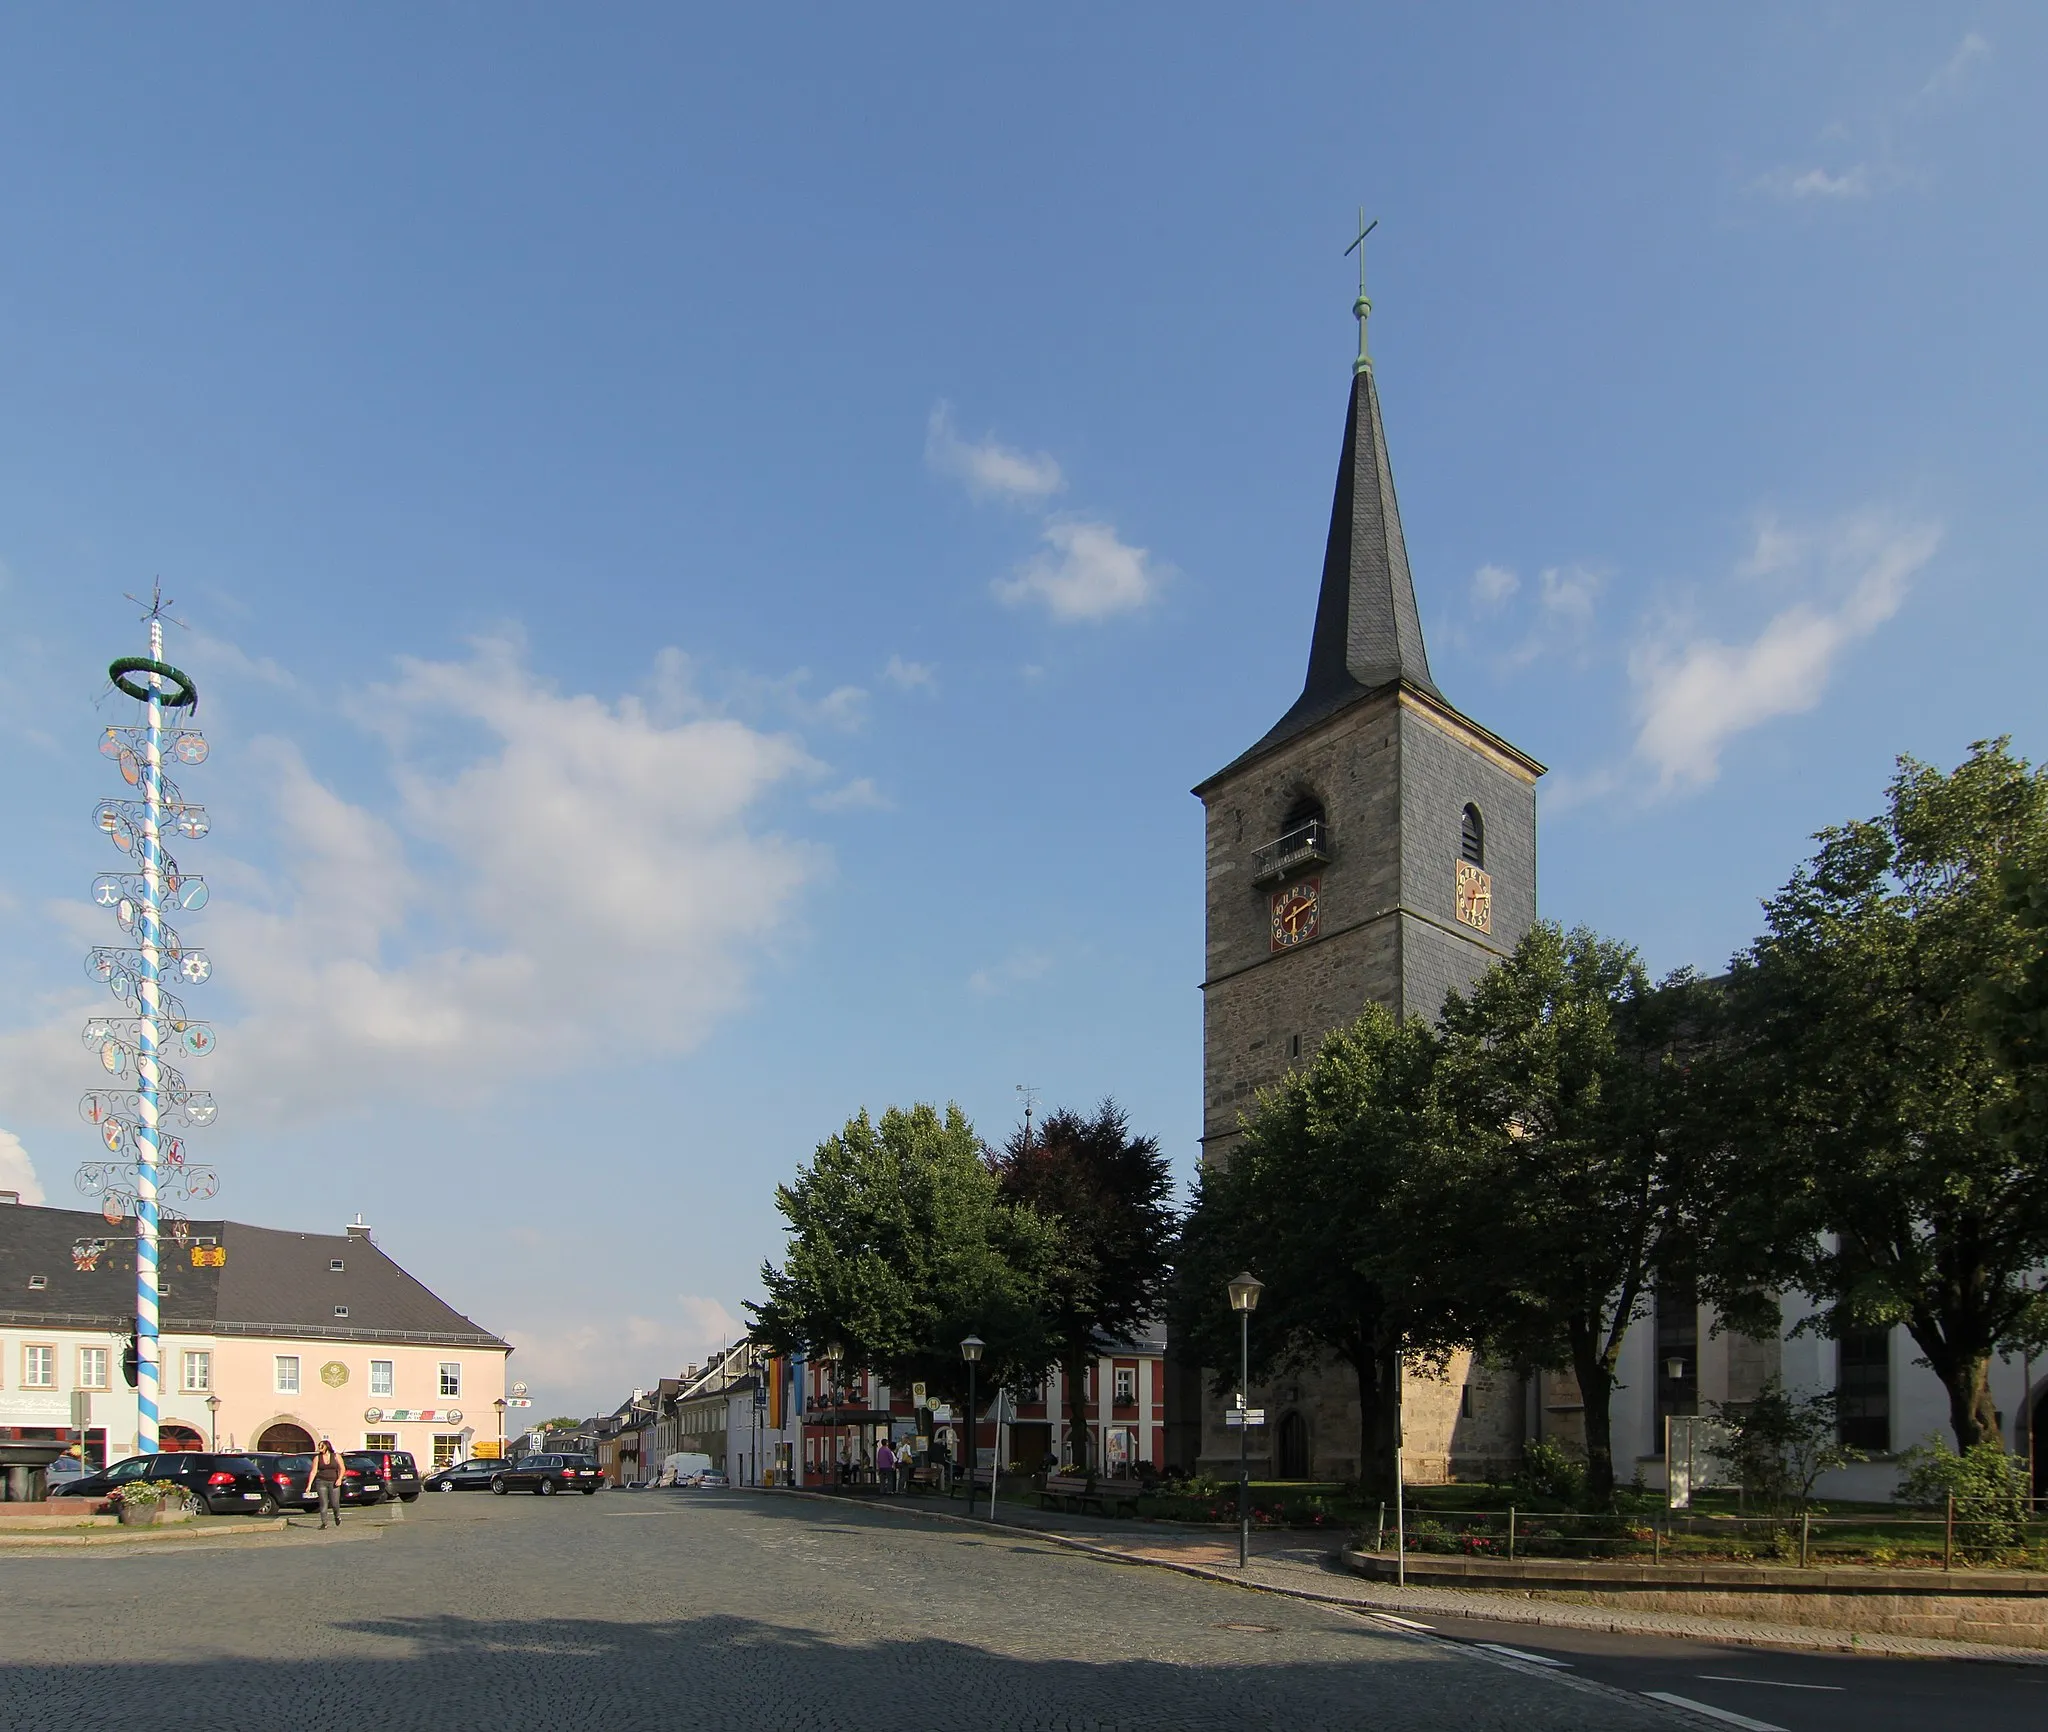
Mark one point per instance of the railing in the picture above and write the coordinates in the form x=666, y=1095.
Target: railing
x=1681, y=1537
x=1306, y=844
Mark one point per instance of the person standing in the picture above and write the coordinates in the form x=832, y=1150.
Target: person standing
x=885, y=1466
x=325, y=1482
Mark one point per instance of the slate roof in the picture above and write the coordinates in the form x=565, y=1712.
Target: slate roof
x=1368, y=633
x=272, y=1283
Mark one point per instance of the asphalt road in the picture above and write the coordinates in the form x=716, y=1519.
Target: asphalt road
x=1793, y=1692
x=728, y=1610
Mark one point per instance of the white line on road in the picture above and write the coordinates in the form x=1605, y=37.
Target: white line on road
x=1400, y=1623
x=1712, y=1713
x=1522, y=1654
x=1774, y=1683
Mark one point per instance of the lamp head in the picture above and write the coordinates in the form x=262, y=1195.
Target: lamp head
x=970, y=1349
x=1675, y=1370
x=1245, y=1291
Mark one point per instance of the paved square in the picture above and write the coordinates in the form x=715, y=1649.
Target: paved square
x=709, y=1610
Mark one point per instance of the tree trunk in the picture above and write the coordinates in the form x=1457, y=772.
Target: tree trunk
x=1972, y=1414
x=1076, y=1375
x=1596, y=1389
x=1375, y=1424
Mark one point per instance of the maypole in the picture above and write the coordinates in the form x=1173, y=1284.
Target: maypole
x=132, y=1123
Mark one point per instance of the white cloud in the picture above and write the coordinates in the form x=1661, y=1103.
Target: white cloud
x=1089, y=574
x=1019, y=968
x=1695, y=694
x=1811, y=183
x=17, y=1171
x=563, y=879
x=1953, y=75
x=1567, y=592
x=583, y=1369
x=988, y=469
x=1492, y=585
x=858, y=795
x=908, y=676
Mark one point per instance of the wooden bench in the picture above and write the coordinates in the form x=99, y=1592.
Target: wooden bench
x=1073, y=1490
x=978, y=1480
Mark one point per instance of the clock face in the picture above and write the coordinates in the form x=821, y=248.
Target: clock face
x=1295, y=913
x=1475, y=897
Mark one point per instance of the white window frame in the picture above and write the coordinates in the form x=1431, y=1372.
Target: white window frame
x=97, y=1378
x=48, y=1362
x=195, y=1370
x=448, y=1443
x=451, y=1375
x=1116, y=1386
x=280, y=1373
x=384, y=1378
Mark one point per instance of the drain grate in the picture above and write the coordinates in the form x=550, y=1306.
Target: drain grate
x=1253, y=1629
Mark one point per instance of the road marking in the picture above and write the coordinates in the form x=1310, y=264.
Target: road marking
x=1400, y=1623
x=1774, y=1683
x=1522, y=1654
x=1712, y=1713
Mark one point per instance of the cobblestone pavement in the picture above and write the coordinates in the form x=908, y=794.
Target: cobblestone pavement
x=708, y=1610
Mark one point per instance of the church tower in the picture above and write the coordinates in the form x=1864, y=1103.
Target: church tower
x=1375, y=846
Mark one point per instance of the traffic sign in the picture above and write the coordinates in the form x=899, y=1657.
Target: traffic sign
x=1245, y=1416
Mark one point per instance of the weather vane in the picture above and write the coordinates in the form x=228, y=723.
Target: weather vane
x=1361, y=308
x=149, y=1170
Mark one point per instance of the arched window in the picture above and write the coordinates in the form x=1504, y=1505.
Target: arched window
x=1472, y=837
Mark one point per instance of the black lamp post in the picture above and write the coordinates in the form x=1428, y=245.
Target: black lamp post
x=970, y=1350
x=212, y=1425
x=1244, y=1300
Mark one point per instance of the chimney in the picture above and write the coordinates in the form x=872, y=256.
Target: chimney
x=357, y=1229
x=10, y=1196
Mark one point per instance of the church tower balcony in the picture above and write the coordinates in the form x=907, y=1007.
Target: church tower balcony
x=1306, y=844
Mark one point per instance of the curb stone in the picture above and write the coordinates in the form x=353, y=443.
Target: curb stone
x=1459, y=1602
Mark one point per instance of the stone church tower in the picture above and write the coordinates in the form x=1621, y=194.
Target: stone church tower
x=1375, y=846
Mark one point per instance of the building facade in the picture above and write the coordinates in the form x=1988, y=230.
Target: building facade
x=291, y=1337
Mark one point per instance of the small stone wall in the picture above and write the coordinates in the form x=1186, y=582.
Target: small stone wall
x=2003, y=1607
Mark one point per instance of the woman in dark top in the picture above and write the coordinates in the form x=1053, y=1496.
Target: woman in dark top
x=325, y=1481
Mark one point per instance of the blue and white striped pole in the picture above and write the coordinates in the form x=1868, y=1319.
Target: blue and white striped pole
x=149, y=1136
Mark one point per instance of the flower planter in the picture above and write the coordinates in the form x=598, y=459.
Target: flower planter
x=152, y=1515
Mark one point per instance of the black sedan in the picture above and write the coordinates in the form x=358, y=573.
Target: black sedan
x=288, y=1477
x=221, y=1484
x=545, y=1475
x=465, y=1476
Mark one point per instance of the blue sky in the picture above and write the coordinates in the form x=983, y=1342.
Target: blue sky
x=717, y=543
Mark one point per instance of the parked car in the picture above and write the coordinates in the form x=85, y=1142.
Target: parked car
x=544, y=1475
x=222, y=1484
x=712, y=1480
x=395, y=1467
x=465, y=1476
x=287, y=1476
x=62, y=1471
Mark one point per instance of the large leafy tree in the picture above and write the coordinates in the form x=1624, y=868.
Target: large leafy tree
x=899, y=1246
x=1328, y=1199
x=1881, y=1156
x=1569, y=1177
x=1110, y=1194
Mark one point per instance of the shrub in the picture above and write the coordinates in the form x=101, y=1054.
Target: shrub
x=1779, y=1445
x=1988, y=1485
x=1547, y=1472
x=148, y=1491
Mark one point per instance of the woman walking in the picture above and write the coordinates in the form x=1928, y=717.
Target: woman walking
x=325, y=1482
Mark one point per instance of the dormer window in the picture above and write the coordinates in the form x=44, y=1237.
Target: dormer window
x=36, y=1283
x=334, y=1266
x=341, y=1310
x=1472, y=838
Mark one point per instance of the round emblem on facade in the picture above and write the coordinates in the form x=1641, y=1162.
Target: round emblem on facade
x=455, y=1416
x=334, y=1374
x=372, y=1414
x=519, y=1389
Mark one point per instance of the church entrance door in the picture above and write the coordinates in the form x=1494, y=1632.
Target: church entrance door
x=1292, y=1451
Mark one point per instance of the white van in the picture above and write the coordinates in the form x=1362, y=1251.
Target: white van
x=683, y=1469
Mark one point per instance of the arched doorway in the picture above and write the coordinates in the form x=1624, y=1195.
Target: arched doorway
x=1291, y=1448
x=285, y=1438
x=175, y=1439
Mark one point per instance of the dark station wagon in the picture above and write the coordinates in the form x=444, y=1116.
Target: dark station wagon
x=545, y=1475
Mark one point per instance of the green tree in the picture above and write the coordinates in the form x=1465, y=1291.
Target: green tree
x=1879, y=1155
x=899, y=1246
x=1780, y=1445
x=1110, y=1195
x=1326, y=1200
x=1569, y=1178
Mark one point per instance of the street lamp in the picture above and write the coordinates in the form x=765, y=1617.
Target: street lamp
x=212, y=1423
x=1244, y=1300
x=970, y=1350
x=501, y=1404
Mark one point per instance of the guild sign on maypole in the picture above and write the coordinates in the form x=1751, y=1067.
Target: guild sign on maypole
x=148, y=1177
